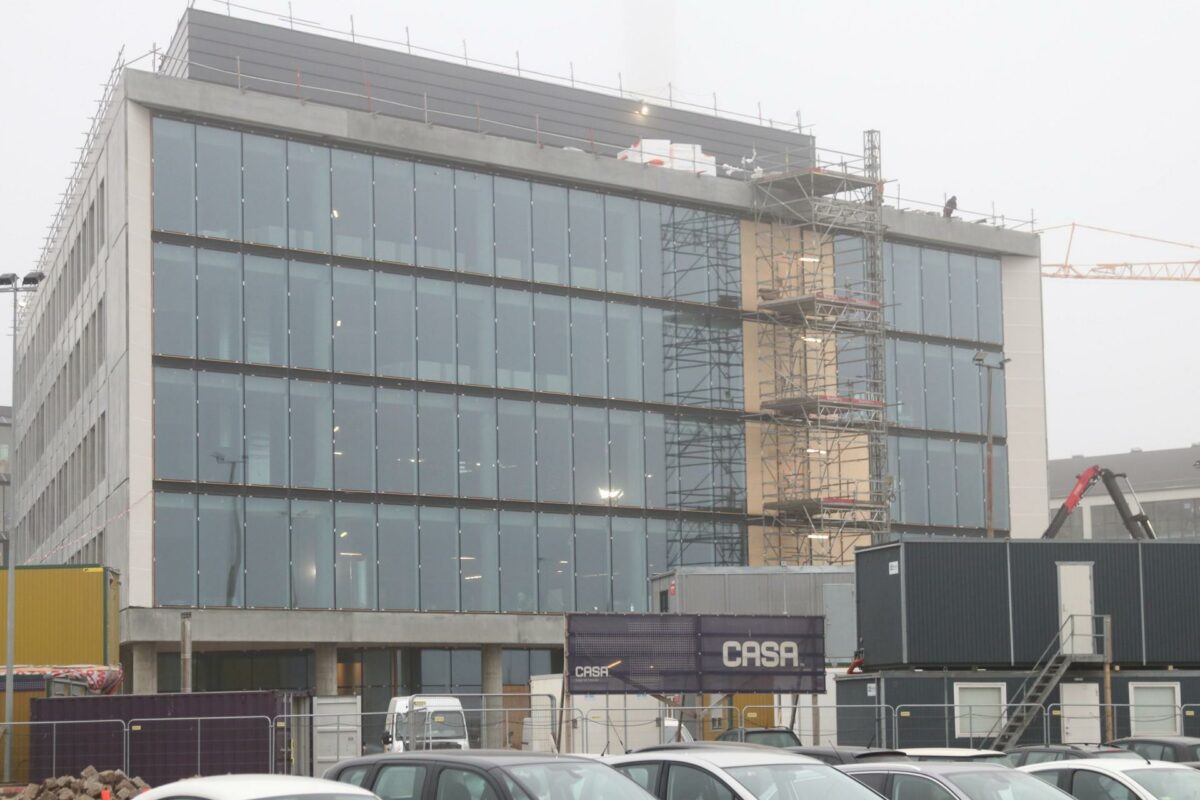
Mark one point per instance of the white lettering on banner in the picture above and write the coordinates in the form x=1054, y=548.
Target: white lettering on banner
x=769, y=655
x=591, y=672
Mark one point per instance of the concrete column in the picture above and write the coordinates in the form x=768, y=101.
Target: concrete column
x=144, y=679
x=326, y=670
x=493, y=725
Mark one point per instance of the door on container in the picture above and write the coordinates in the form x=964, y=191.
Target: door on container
x=1080, y=712
x=337, y=731
x=1075, y=608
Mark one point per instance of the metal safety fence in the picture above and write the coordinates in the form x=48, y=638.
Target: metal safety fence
x=867, y=725
x=42, y=750
x=973, y=725
x=1089, y=722
x=164, y=749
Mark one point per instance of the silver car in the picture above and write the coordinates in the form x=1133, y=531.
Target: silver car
x=1120, y=779
x=950, y=780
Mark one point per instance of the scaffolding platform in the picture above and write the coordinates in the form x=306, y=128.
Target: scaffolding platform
x=823, y=507
x=822, y=406
x=814, y=181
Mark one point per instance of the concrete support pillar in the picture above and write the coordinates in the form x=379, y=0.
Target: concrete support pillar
x=144, y=658
x=493, y=725
x=327, y=685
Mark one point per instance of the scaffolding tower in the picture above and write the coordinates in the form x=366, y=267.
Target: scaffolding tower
x=820, y=341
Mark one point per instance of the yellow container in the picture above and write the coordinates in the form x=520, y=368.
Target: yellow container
x=64, y=615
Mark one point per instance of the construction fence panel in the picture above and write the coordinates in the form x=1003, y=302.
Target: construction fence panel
x=623, y=727
x=167, y=749
x=1191, y=719
x=866, y=725
x=43, y=750
x=949, y=725
x=1086, y=723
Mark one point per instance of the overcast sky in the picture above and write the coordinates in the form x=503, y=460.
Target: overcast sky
x=1084, y=111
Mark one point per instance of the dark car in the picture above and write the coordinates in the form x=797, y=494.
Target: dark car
x=838, y=754
x=1042, y=753
x=772, y=737
x=485, y=775
x=1180, y=749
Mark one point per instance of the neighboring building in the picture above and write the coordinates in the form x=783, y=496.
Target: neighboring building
x=1167, y=482
x=383, y=378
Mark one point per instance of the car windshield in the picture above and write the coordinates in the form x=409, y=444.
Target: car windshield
x=1116, y=754
x=1003, y=785
x=1174, y=783
x=772, y=738
x=799, y=782
x=432, y=725
x=574, y=780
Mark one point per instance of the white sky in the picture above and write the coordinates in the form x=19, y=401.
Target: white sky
x=1082, y=111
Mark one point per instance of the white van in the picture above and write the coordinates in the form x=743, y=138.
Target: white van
x=425, y=722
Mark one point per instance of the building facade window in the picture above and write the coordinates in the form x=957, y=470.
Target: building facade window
x=979, y=708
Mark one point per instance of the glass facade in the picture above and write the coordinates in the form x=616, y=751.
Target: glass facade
x=372, y=341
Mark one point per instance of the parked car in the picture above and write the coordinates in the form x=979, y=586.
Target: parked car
x=847, y=754
x=257, y=787
x=484, y=775
x=1120, y=779
x=1043, y=753
x=1181, y=749
x=736, y=773
x=950, y=781
x=955, y=754
x=772, y=737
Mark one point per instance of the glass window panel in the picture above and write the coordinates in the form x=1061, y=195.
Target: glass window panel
x=939, y=395
x=556, y=560
x=266, y=294
x=312, y=434
x=853, y=374
x=621, y=244
x=593, y=581
x=480, y=560
x=266, y=431
x=477, y=446
x=219, y=296
x=309, y=212
x=174, y=175
x=587, y=347
x=935, y=291
x=518, y=561
x=399, y=558
x=731, y=544
x=656, y=460
x=174, y=424
x=624, y=351
x=968, y=457
x=968, y=403
x=394, y=210
x=999, y=417
x=910, y=390
x=658, y=552
x=219, y=409
x=913, y=484
x=395, y=325
x=549, y=233
x=653, y=248
x=218, y=182
x=311, y=311
x=688, y=278
x=438, y=446
x=264, y=182
x=435, y=216
x=514, y=339
x=691, y=447
x=355, y=565
x=626, y=447
x=889, y=275
x=628, y=565
x=220, y=553
x=174, y=300
x=658, y=380
x=352, y=214
x=552, y=343
x=964, y=308
x=473, y=222
x=590, y=443
x=312, y=554
x=353, y=320
x=894, y=476
x=553, y=453
x=587, y=238
x=516, y=460
x=476, y=315
x=942, y=489
x=267, y=546
x=353, y=437
x=697, y=543
x=397, y=435
x=688, y=353
x=906, y=287
x=435, y=330
x=174, y=549
x=514, y=235
x=439, y=559
x=991, y=325
x=1000, y=486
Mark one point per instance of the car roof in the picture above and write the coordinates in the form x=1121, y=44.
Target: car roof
x=949, y=752
x=1161, y=739
x=1066, y=748
x=853, y=750
x=478, y=758
x=720, y=757
x=708, y=745
x=923, y=767
x=1106, y=764
x=249, y=787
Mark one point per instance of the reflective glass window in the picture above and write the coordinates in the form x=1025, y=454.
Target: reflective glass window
x=352, y=214
x=353, y=437
x=910, y=391
x=476, y=315
x=621, y=245
x=219, y=294
x=590, y=443
x=174, y=175
x=998, y=406
x=435, y=216
x=353, y=320
x=354, y=565
x=624, y=351
x=968, y=458
x=480, y=560
x=174, y=549
x=1000, y=486
x=914, y=482
x=174, y=300
x=394, y=212
x=628, y=565
x=312, y=434
x=853, y=375
x=437, y=443
x=889, y=275
x=697, y=544
x=688, y=354
x=658, y=380
x=439, y=571
x=435, y=330
x=473, y=222
x=586, y=215
x=516, y=459
x=477, y=446
x=906, y=287
x=964, y=309
x=552, y=343
x=514, y=233
x=399, y=560
x=897, y=513
x=553, y=453
x=311, y=311
x=626, y=447
x=968, y=397
x=939, y=394
x=221, y=557
x=312, y=554
x=220, y=427
x=264, y=190
x=653, y=248
x=689, y=240
x=658, y=553
x=518, y=561
x=991, y=325
x=395, y=325
x=309, y=212
x=549, y=233
x=218, y=182
x=267, y=568
x=890, y=391
x=556, y=560
x=397, y=435
x=266, y=294
x=174, y=424
x=942, y=487
x=593, y=579
x=266, y=431
x=656, y=460
x=935, y=291
x=514, y=339
x=587, y=347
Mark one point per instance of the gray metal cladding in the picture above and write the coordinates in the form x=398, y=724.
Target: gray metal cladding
x=880, y=605
x=1172, y=600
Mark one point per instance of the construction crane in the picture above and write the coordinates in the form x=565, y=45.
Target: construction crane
x=1135, y=521
x=1123, y=270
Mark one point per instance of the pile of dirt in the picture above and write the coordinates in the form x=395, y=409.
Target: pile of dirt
x=91, y=783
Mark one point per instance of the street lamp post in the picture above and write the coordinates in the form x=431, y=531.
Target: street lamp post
x=10, y=283
x=980, y=360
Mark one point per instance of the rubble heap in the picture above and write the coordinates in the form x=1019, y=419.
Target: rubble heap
x=90, y=783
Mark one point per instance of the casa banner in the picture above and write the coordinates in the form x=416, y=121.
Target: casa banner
x=679, y=653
